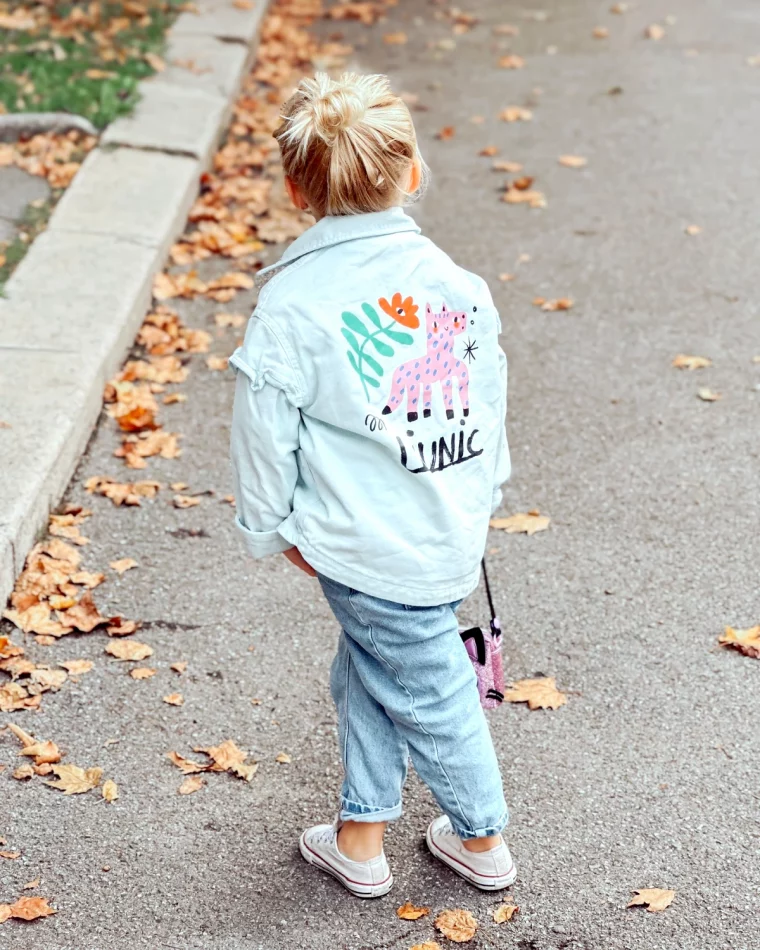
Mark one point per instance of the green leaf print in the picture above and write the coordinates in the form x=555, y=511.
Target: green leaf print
x=372, y=314
x=354, y=343
x=373, y=364
x=403, y=338
x=352, y=321
x=366, y=366
x=382, y=348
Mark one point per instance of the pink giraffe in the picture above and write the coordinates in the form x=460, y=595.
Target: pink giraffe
x=417, y=376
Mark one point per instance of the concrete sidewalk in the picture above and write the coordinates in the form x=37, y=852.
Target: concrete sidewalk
x=648, y=776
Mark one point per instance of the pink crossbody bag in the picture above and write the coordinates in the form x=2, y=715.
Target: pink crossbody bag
x=484, y=650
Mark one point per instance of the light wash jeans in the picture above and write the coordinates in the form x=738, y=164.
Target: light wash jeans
x=403, y=684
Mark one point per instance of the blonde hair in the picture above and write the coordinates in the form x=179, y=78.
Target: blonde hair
x=349, y=144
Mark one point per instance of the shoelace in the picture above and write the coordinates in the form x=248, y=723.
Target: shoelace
x=325, y=837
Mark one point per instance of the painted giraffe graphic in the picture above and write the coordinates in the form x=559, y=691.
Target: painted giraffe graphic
x=416, y=377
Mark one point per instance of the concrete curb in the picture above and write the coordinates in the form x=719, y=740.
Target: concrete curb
x=76, y=301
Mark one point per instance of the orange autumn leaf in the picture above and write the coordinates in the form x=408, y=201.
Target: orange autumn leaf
x=540, y=693
x=27, y=908
x=408, y=911
x=655, y=899
x=745, y=641
x=458, y=925
x=446, y=133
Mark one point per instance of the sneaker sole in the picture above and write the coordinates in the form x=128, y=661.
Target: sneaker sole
x=477, y=880
x=358, y=890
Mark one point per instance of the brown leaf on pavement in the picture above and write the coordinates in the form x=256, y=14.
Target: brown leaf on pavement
x=119, y=627
x=43, y=753
x=446, y=133
x=458, y=925
x=188, y=766
x=26, y=908
x=408, y=911
x=555, y=305
x=217, y=363
x=10, y=855
x=174, y=699
x=395, y=39
x=283, y=758
x=745, y=641
x=179, y=667
x=573, y=161
x=522, y=196
x=489, y=151
x=512, y=168
x=654, y=32
x=129, y=650
x=234, y=320
x=23, y=772
x=122, y=493
x=510, y=61
x=185, y=501
x=31, y=885
x=682, y=361
x=192, y=783
x=654, y=899
x=505, y=912
x=539, y=693
x=708, y=395
x=693, y=230
x=506, y=29
x=77, y=667
x=528, y=523
x=83, y=616
x=142, y=673
x=515, y=114
x=110, y=790
x=122, y=565
x=73, y=780
x=600, y=32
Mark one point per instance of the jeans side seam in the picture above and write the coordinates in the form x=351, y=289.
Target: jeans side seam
x=422, y=729
x=348, y=706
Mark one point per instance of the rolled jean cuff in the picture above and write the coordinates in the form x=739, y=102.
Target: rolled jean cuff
x=467, y=834
x=354, y=811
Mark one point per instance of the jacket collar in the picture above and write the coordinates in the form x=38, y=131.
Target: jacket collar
x=338, y=229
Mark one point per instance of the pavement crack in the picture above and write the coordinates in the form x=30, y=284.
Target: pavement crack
x=172, y=625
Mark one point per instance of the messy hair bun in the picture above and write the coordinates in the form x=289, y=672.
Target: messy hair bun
x=349, y=144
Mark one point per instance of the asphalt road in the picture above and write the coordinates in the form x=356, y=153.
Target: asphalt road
x=648, y=777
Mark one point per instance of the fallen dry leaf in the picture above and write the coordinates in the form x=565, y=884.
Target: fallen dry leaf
x=505, y=278
x=192, y=783
x=217, y=363
x=693, y=229
x=75, y=781
x=489, y=151
x=446, y=133
x=654, y=32
x=524, y=196
x=427, y=945
x=23, y=772
x=555, y=305
x=119, y=627
x=27, y=908
x=31, y=885
x=174, y=398
x=395, y=39
x=515, y=114
x=179, y=667
x=188, y=766
x=129, y=650
x=573, y=161
x=528, y=523
x=174, y=699
x=42, y=752
x=682, y=361
x=408, y=911
x=142, y=673
x=185, y=501
x=506, y=29
x=511, y=62
x=154, y=61
x=505, y=912
x=122, y=565
x=619, y=8
x=708, y=395
x=745, y=641
x=600, y=32
x=458, y=925
x=229, y=320
x=10, y=855
x=283, y=758
x=110, y=790
x=512, y=168
x=654, y=899
x=77, y=667
x=539, y=693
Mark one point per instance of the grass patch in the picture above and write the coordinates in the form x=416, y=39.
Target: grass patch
x=32, y=222
x=84, y=59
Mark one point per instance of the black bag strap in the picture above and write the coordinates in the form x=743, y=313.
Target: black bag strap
x=488, y=591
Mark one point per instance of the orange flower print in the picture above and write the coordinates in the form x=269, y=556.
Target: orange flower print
x=402, y=311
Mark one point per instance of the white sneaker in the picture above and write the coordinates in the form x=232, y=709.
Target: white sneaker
x=489, y=870
x=319, y=846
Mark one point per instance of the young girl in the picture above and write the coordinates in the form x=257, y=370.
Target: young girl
x=368, y=446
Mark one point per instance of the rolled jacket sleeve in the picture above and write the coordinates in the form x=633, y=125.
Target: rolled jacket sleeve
x=264, y=440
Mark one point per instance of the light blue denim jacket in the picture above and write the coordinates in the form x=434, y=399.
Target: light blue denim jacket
x=368, y=427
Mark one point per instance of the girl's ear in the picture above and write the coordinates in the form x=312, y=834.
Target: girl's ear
x=296, y=195
x=415, y=176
